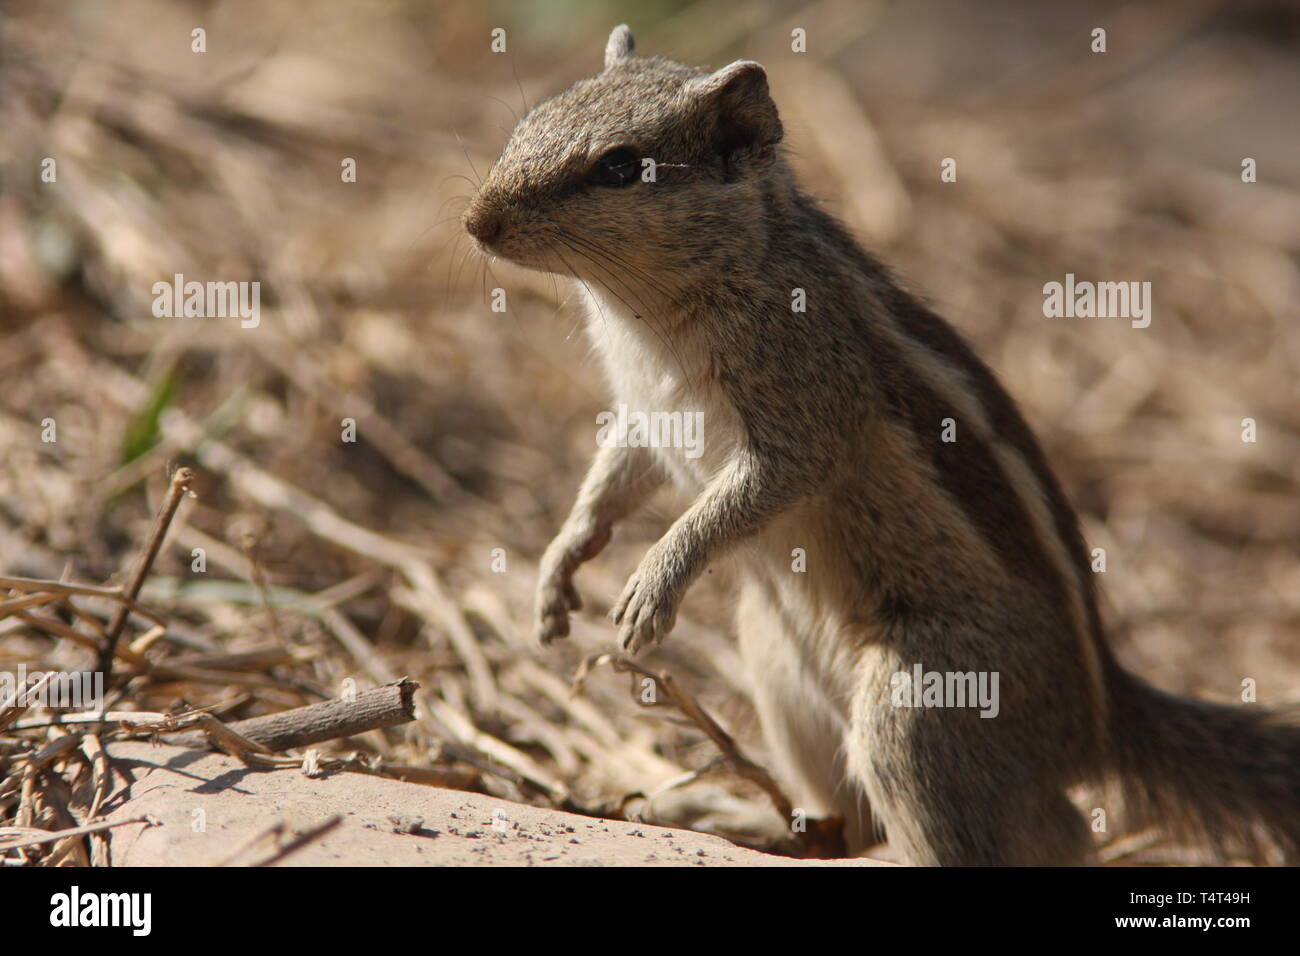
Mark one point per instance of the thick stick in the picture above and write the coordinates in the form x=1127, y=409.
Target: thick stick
x=385, y=706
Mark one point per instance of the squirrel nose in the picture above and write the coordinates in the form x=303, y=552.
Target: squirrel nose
x=483, y=224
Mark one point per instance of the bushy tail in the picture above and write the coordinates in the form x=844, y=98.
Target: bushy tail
x=1207, y=774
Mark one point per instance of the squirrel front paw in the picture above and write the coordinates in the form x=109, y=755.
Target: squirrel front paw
x=647, y=609
x=556, y=595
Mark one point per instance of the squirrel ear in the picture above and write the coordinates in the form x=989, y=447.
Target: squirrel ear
x=747, y=125
x=619, y=46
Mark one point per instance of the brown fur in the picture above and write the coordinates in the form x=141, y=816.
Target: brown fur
x=823, y=433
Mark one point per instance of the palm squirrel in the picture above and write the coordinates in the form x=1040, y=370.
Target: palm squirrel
x=862, y=432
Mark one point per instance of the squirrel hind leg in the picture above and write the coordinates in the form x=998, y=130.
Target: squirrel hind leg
x=803, y=731
x=1050, y=831
x=949, y=793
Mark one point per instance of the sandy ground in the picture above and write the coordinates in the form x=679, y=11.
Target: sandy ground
x=209, y=810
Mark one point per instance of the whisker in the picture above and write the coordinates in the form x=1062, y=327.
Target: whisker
x=461, y=175
x=645, y=280
x=574, y=273
x=497, y=99
x=459, y=197
x=469, y=254
x=451, y=261
x=434, y=225
x=463, y=149
x=605, y=257
x=650, y=281
x=514, y=68
x=667, y=343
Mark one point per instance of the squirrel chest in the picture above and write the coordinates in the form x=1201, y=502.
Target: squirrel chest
x=654, y=375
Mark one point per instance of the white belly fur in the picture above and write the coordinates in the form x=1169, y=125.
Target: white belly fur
x=800, y=650
x=648, y=376
x=645, y=374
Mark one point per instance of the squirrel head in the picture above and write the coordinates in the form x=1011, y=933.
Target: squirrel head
x=645, y=169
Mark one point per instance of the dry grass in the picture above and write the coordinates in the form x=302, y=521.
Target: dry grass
x=329, y=560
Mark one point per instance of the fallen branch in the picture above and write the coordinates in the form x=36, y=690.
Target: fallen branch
x=385, y=706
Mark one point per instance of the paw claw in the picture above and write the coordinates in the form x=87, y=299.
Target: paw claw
x=619, y=611
x=644, y=614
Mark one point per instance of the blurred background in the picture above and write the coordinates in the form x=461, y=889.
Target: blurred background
x=412, y=551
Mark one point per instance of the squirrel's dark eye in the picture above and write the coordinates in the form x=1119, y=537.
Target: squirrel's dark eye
x=618, y=167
